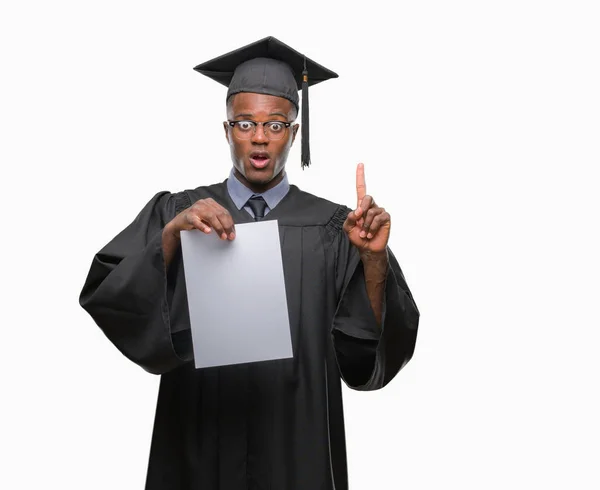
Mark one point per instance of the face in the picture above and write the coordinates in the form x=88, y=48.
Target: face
x=259, y=161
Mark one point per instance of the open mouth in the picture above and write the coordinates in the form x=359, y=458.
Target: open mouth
x=259, y=159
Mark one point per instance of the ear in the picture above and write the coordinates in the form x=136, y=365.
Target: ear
x=226, y=128
x=294, y=131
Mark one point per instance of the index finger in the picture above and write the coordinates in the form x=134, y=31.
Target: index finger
x=361, y=186
x=224, y=217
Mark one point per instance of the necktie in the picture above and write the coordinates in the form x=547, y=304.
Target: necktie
x=258, y=205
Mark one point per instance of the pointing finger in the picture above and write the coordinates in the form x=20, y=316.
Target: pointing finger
x=361, y=186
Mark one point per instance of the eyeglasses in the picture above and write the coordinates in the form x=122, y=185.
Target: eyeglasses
x=244, y=130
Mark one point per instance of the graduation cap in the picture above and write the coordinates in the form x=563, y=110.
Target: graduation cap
x=269, y=67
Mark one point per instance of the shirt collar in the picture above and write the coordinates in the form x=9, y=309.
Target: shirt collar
x=240, y=194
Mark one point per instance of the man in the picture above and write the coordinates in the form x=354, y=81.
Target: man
x=266, y=425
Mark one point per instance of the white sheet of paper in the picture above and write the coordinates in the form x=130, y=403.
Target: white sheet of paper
x=236, y=295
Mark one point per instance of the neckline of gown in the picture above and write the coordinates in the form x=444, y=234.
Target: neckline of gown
x=243, y=216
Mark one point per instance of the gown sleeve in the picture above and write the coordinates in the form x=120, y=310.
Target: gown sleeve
x=128, y=292
x=369, y=355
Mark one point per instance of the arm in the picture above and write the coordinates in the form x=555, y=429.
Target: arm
x=376, y=322
x=372, y=350
x=129, y=296
x=135, y=290
x=170, y=246
x=375, y=268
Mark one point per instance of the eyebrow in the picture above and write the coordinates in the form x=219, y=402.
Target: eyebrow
x=252, y=115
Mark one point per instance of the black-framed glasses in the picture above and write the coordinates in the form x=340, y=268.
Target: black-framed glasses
x=244, y=130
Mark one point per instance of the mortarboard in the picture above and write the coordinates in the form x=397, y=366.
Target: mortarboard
x=269, y=67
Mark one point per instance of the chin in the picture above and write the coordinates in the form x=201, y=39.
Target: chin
x=260, y=180
x=259, y=175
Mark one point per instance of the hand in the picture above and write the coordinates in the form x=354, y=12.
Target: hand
x=368, y=226
x=204, y=215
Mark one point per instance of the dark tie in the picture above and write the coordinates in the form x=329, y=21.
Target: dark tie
x=258, y=205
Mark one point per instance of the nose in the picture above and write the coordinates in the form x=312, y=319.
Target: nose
x=259, y=135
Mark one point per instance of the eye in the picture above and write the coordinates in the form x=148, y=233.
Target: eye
x=276, y=127
x=244, y=125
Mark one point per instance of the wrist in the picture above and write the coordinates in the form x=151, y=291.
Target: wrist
x=170, y=233
x=375, y=266
x=374, y=257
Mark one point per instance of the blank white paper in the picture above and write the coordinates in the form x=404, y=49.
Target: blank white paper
x=236, y=295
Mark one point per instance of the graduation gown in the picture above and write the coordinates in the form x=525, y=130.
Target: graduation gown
x=275, y=425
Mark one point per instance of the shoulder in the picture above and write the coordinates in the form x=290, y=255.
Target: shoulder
x=183, y=199
x=216, y=191
x=318, y=210
x=177, y=201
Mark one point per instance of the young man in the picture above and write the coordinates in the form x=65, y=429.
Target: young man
x=266, y=425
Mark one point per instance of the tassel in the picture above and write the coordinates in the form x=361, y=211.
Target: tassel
x=305, y=157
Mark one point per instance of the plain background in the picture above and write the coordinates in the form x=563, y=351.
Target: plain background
x=478, y=124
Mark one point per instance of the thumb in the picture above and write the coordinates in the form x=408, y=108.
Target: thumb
x=350, y=222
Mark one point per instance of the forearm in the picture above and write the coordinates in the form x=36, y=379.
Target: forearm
x=375, y=268
x=170, y=245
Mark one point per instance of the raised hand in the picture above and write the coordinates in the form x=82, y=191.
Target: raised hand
x=368, y=226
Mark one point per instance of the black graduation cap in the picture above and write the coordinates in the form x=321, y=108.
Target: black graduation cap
x=269, y=67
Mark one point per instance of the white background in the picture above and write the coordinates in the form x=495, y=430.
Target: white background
x=478, y=123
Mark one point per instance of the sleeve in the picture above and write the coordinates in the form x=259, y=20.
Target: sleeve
x=369, y=355
x=129, y=296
